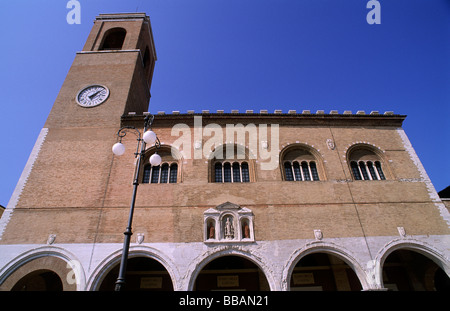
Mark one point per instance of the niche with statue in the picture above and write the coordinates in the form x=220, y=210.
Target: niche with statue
x=228, y=222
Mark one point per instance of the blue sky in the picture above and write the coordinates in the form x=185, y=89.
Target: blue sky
x=244, y=54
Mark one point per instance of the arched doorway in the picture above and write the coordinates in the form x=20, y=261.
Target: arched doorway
x=143, y=274
x=44, y=269
x=406, y=270
x=323, y=272
x=40, y=280
x=231, y=273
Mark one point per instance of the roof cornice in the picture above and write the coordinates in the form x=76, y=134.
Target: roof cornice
x=388, y=119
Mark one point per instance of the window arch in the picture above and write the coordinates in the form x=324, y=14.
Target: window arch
x=301, y=163
x=366, y=163
x=237, y=168
x=168, y=172
x=113, y=39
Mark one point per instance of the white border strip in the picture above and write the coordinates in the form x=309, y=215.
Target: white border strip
x=22, y=181
x=426, y=179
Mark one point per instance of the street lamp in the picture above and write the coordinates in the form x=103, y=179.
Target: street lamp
x=118, y=149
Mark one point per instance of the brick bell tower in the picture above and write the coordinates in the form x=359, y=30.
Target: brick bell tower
x=111, y=76
x=63, y=186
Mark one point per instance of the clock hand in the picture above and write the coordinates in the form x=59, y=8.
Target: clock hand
x=93, y=95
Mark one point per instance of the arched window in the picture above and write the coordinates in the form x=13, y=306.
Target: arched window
x=365, y=163
x=167, y=172
x=147, y=174
x=226, y=172
x=299, y=164
x=367, y=171
x=173, y=173
x=313, y=168
x=231, y=172
x=161, y=174
x=289, y=176
x=155, y=174
x=164, y=173
x=372, y=172
x=355, y=171
x=245, y=172
x=234, y=170
x=218, y=172
x=363, y=170
x=295, y=172
x=113, y=39
x=305, y=170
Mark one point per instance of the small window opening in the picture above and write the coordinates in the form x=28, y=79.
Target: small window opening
x=114, y=39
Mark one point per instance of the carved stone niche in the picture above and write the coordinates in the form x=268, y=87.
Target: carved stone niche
x=228, y=222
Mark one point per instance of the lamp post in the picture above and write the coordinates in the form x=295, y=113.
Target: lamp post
x=118, y=149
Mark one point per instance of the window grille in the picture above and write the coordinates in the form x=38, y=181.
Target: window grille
x=231, y=172
x=296, y=172
x=161, y=174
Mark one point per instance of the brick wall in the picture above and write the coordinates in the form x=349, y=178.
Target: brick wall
x=80, y=191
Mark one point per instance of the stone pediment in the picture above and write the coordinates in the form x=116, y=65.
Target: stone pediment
x=228, y=207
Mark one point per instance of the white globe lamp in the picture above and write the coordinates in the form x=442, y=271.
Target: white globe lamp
x=155, y=160
x=118, y=149
x=149, y=137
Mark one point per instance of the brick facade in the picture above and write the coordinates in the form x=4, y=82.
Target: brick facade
x=76, y=191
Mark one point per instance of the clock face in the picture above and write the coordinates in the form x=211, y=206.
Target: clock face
x=92, y=95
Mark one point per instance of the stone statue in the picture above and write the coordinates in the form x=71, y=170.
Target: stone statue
x=229, y=230
x=211, y=231
x=246, y=231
